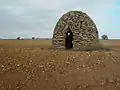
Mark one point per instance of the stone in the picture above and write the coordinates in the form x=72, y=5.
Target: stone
x=82, y=28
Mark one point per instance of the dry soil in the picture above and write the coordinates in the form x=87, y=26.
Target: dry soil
x=31, y=65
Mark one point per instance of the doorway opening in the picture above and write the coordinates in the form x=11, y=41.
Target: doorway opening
x=69, y=39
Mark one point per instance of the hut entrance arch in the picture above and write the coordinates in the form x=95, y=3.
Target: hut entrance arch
x=69, y=39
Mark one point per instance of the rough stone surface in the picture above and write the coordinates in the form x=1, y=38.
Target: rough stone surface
x=84, y=30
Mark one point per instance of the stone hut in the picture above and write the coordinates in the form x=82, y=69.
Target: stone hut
x=75, y=30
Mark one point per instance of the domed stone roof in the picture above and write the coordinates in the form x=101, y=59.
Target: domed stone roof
x=81, y=28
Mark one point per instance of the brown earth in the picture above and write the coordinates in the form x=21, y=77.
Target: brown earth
x=31, y=65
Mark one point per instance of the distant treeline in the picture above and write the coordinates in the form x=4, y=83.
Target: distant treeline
x=28, y=39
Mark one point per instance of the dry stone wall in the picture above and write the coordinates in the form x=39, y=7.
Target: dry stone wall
x=84, y=30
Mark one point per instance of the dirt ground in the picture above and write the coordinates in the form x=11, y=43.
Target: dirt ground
x=31, y=65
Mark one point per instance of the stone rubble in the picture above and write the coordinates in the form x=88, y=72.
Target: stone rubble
x=58, y=70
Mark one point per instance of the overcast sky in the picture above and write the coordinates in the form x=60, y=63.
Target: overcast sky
x=27, y=18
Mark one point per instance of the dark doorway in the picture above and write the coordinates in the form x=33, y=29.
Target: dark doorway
x=69, y=39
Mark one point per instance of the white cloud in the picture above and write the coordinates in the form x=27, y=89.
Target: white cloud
x=14, y=10
x=39, y=17
x=45, y=4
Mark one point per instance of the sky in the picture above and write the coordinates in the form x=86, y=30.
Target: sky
x=28, y=18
